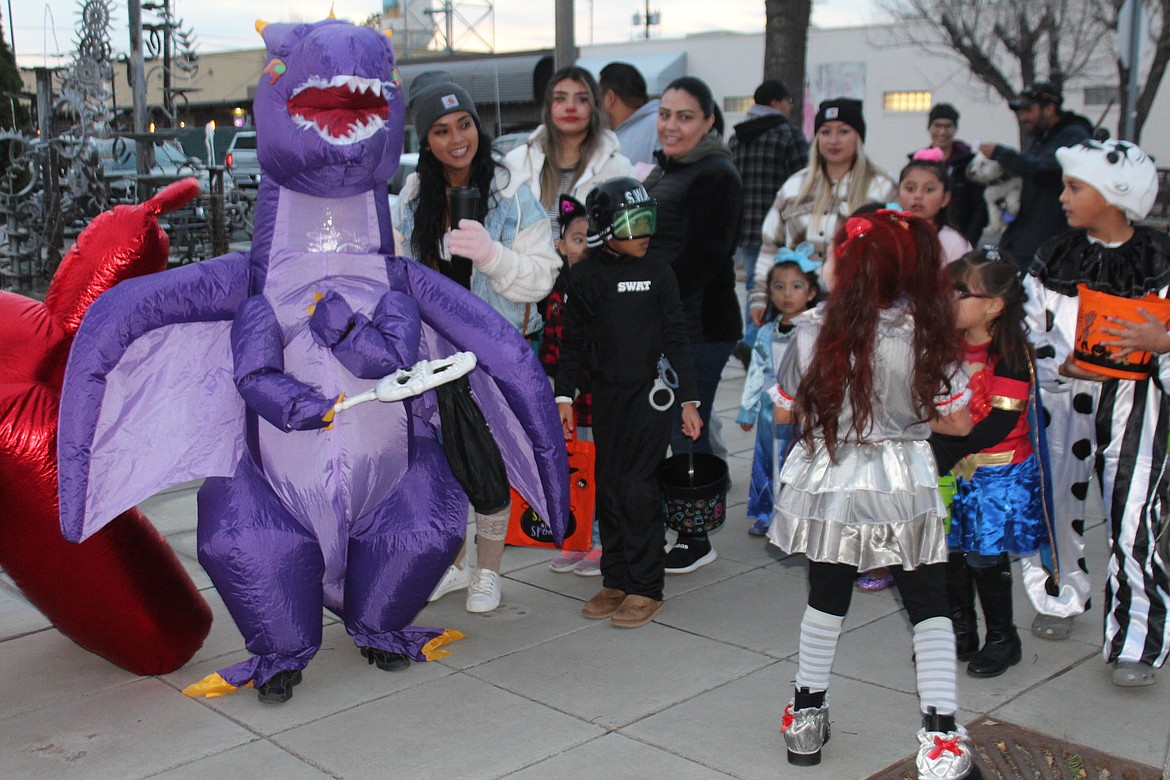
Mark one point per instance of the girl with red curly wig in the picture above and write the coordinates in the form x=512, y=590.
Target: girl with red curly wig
x=869, y=375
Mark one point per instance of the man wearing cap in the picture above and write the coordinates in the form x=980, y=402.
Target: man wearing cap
x=1046, y=128
x=767, y=149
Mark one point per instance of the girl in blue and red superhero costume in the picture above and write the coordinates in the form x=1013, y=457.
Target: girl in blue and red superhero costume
x=997, y=509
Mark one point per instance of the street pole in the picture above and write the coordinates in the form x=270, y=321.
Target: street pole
x=1131, y=23
x=566, y=50
x=138, y=84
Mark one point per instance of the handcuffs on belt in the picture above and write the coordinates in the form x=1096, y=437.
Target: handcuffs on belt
x=664, y=385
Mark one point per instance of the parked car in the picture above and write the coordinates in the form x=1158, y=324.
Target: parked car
x=509, y=141
x=118, y=159
x=241, y=160
x=406, y=166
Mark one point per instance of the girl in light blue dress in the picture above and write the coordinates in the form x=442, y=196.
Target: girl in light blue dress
x=791, y=290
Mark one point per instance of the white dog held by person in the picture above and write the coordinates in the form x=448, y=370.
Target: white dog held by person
x=1002, y=191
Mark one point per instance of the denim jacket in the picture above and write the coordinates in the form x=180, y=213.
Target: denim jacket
x=525, y=266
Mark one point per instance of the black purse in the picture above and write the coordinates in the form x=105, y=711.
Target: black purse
x=471, y=449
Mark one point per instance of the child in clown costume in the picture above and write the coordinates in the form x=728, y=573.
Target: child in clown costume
x=1123, y=422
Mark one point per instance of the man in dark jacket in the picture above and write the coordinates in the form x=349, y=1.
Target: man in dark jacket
x=1046, y=128
x=766, y=149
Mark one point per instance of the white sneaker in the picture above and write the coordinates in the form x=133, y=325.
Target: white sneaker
x=454, y=579
x=483, y=595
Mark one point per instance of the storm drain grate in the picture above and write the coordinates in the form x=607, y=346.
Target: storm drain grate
x=1005, y=751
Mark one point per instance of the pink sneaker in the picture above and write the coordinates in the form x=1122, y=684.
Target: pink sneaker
x=566, y=561
x=590, y=565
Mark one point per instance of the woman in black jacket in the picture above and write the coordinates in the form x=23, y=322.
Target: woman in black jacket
x=700, y=201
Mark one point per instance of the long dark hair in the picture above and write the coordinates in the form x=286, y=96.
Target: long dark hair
x=550, y=174
x=943, y=218
x=880, y=259
x=999, y=277
x=432, y=205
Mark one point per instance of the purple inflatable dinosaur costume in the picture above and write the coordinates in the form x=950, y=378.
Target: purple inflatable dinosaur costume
x=229, y=369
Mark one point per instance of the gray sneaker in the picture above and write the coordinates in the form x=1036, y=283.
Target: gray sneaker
x=1133, y=674
x=805, y=732
x=1051, y=627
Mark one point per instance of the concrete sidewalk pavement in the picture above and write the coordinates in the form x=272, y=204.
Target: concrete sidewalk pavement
x=536, y=691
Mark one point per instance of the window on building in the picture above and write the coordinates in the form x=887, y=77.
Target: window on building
x=737, y=105
x=1101, y=96
x=906, y=101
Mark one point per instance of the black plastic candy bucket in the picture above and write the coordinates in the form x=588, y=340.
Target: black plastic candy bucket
x=694, y=492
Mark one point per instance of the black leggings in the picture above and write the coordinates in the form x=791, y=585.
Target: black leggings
x=923, y=590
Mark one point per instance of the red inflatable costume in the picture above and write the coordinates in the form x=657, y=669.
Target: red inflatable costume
x=122, y=594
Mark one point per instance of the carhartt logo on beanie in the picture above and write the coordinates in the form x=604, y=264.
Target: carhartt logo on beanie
x=434, y=95
x=841, y=110
x=1125, y=176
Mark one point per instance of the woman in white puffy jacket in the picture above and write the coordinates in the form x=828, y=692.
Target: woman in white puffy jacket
x=839, y=179
x=570, y=153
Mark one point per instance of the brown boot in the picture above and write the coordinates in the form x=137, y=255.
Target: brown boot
x=604, y=604
x=635, y=612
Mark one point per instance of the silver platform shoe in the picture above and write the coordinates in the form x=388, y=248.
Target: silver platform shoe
x=944, y=755
x=805, y=732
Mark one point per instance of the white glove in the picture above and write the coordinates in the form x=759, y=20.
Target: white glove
x=471, y=240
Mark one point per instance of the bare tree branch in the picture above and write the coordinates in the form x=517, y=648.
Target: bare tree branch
x=1033, y=40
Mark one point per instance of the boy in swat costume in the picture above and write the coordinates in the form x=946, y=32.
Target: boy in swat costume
x=624, y=314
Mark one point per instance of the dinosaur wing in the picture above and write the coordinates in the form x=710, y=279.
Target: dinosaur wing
x=148, y=399
x=509, y=384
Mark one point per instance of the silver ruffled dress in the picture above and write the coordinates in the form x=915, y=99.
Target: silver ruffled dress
x=879, y=504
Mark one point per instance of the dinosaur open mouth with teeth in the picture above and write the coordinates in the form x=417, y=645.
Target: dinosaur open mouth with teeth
x=342, y=110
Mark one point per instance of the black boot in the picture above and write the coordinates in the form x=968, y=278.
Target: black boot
x=1002, y=648
x=279, y=688
x=961, y=595
x=386, y=660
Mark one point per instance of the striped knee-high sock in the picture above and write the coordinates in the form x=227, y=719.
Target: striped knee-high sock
x=819, y=632
x=934, y=649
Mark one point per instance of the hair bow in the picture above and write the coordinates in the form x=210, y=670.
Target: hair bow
x=855, y=227
x=897, y=216
x=933, y=154
x=802, y=256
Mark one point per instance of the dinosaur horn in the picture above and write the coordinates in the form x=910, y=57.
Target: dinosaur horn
x=331, y=14
x=388, y=33
x=260, y=25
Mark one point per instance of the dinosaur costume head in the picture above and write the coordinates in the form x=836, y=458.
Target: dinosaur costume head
x=329, y=108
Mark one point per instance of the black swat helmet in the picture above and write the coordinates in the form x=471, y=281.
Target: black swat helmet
x=620, y=209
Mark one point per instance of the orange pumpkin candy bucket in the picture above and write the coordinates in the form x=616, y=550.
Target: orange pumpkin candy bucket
x=1089, y=351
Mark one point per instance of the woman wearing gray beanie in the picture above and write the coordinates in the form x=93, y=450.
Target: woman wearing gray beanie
x=513, y=263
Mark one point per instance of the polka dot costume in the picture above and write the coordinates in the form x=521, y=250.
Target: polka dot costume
x=1118, y=429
